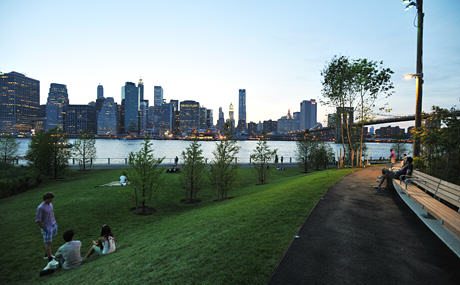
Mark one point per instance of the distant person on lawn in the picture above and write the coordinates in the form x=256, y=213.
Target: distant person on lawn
x=44, y=217
x=68, y=254
x=105, y=244
x=123, y=179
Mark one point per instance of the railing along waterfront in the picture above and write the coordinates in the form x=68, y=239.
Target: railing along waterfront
x=120, y=162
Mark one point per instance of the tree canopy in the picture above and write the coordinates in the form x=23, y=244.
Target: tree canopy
x=354, y=85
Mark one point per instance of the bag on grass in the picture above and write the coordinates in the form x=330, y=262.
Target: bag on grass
x=50, y=267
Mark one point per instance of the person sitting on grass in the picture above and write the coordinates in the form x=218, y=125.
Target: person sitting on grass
x=68, y=255
x=105, y=244
x=123, y=179
x=388, y=175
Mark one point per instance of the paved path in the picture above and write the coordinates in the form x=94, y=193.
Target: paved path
x=358, y=236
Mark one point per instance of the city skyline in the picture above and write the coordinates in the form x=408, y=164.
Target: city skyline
x=207, y=51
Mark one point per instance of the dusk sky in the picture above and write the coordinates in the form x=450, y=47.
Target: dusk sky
x=207, y=50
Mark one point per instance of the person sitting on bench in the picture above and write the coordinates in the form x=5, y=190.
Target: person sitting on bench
x=388, y=175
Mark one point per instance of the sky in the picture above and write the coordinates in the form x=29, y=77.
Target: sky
x=207, y=50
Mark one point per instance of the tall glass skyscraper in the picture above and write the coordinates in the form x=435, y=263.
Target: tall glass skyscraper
x=107, y=118
x=140, y=88
x=57, y=102
x=189, y=116
x=80, y=119
x=130, y=99
x=221, y=120
x=157, y=95
x=242, y=110
x=19, y=102
x=308, y=114
x=100, y=91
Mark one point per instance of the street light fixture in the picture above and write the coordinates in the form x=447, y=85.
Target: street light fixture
x=419, y=75
x=409, y=76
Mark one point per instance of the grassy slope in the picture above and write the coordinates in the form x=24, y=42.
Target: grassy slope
x=236, y=241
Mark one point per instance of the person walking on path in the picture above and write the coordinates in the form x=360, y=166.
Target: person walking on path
x=44, y=217
x=176, y=161
x=392, y=157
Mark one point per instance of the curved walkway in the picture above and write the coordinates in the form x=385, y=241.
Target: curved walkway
x=357, y=235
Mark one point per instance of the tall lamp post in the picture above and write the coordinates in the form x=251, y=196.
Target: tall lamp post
x=419, y=75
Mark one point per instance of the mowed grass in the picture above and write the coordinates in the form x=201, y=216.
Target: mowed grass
x=238, y=241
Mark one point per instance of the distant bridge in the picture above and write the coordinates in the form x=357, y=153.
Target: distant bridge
x=382, y=121
x=391, y=120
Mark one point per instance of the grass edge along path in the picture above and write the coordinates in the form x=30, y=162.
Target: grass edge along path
x=238, y=241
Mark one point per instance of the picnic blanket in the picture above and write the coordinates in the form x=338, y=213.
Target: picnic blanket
x=111, y=184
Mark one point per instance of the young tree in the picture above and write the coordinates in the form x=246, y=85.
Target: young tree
x=356, y=85
x=369, y=81
x=336, y=83
x=193, y=171
x=145, y=175
x=305, y=147
x=84, y=149
x=261, y=157
x=224, y=168
x=8, y=148
x=49, y=153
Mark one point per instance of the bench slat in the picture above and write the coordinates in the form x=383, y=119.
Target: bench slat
x=440, y=188
x=450, y=218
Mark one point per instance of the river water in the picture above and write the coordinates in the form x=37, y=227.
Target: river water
x=118, y=150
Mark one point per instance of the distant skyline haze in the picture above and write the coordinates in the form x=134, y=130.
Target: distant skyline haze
x=207, y=50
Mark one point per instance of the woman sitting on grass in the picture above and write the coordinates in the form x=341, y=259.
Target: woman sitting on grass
x=105, y=244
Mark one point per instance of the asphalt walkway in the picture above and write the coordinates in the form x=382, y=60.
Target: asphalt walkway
x=356, y=235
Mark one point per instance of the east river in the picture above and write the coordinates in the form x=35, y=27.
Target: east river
x=118, y=149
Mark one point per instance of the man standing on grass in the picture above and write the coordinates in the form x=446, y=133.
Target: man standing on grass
x=44, y=217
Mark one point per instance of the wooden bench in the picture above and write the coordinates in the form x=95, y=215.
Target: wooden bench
x=440, y=189
x=429, y=192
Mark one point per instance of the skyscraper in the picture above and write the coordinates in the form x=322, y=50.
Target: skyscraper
x=107, y=118
x=130, y=101
x=166, y=119
x=19, y=102
x=79, y=119
x=221, y=120
x=143, y=115
x=231, y=118
x=203, y=118
x=99, y=100
x=189, y=116
x=209, y=119
x=140, y=88
x=308, y=113
x=242, y=110
x=157, y=95
x=57, y=102
x=100, y=91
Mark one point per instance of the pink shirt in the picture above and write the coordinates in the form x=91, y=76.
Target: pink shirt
x=45, y=215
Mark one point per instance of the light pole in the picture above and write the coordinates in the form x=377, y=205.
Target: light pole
x=419, y=75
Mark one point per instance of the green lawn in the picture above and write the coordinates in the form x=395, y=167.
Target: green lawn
x=238, y=241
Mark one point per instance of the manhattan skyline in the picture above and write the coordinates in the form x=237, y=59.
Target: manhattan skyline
x=207, y=51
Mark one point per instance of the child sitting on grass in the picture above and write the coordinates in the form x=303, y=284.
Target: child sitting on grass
x=105, y=243
x=68, y=254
